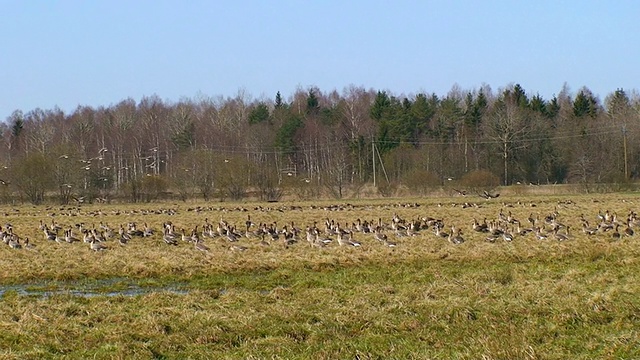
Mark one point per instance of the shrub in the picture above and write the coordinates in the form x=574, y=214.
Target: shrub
x=480, y=180
x=387, y=189
x=152, y=186
x=421, y=181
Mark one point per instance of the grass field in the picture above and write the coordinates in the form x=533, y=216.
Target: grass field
x=424, y=298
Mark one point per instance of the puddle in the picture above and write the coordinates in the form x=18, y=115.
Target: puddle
x=107, y=287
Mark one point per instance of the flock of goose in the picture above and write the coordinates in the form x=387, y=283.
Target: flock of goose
x=504, y=226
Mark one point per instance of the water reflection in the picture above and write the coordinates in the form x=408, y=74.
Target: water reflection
x=106, y=287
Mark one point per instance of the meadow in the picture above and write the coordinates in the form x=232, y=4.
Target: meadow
x=572, y=296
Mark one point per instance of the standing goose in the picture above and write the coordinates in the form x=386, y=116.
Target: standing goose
x=194, y=235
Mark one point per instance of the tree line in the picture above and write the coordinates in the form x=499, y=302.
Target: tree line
x=316, y=142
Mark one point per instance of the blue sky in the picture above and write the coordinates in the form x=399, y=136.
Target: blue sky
x=96, y=53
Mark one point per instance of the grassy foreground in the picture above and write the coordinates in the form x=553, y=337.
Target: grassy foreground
x=425, y=298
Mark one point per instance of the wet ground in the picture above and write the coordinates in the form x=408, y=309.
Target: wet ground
x=105, y=287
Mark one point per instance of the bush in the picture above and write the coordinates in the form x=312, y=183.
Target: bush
x=421, y=181
x=268, y=189
x=387, y=189
x=480, y=180
x=152, y=186
x=302, y=188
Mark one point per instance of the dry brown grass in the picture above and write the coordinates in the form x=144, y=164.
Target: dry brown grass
x=425, y=298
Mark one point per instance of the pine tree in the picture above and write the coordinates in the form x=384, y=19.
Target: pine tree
x=259, y=114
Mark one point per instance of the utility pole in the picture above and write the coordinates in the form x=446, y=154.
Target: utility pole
x=373, y=160
x=624, y=144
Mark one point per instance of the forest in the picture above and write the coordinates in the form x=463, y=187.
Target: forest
x=318, y=144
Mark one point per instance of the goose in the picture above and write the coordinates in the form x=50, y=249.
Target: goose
x=60, y=239
x=494, y=229
x=486, y=195
x=253, y=234
x=342, y=240
x=123, y=240
x=238, y=248
x=323, y=239
x=457, y=238
x=199, y=245
x=248, y=223
x=28, y=245
x=230, y=235
x=561, y=237
x=588, y=230
x=147, y=231
x=49, y=235
x=540, y=235
x=379, y=235
x=184, y=237
x=605, y=226
x=438, y=232
x=628, y=231
x=295, y=230
x=287, y=240
x=616, y=234
x=492, y=238
x=522, y=231
x=401, y=233
x=506, y=236
x=68, y=237
x=412, y=231
x=480, y=227
x=209, y=231
x=55, y=226
x=125, y=235
x=97, y=246
x=98, y=235
x=318, y=244
x=87, y=236
x=290, y=236
x=14, y=242
x=133, y=230
x=104, y=226
x=389, y=243
x=264, y=242
x=311, y=236
x=169, y=239
x=194, y=235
